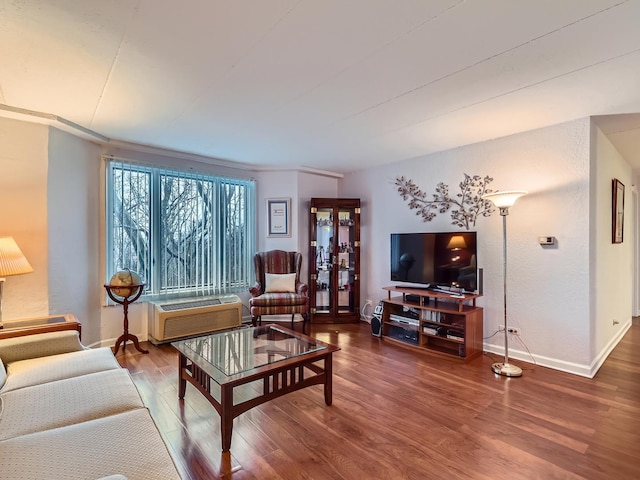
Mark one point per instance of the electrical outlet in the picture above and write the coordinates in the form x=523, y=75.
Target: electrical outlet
x=368, y=302
x=515, y=331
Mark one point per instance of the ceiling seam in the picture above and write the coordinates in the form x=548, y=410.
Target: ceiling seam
x=370, y=54
x=535, y=84
x=113, y=63
x=480, y=62
x=258, y=123
x=233, y=66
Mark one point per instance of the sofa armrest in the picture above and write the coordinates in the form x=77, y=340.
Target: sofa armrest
x=39, y=345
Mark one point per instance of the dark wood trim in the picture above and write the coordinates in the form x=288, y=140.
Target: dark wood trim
x=30, y=326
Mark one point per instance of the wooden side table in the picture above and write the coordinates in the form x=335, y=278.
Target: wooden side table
x=29, y=326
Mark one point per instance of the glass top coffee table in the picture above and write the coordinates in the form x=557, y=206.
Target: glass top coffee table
x=282, y=360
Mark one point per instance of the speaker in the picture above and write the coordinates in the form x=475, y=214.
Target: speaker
x=376, y=325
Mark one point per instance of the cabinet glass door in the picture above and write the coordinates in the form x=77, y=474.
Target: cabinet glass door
x=334, y=260
x=345, y=260
x=324, y=260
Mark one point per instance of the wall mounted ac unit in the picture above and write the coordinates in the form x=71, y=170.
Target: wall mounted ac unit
x=171, y=320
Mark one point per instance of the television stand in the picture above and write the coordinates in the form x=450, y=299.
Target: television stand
x=447, y=323
x=422, y=289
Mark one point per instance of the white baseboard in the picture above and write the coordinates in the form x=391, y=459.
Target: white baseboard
x=583, y=370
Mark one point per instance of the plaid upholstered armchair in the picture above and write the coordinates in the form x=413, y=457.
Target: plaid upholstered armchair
x=278, y=289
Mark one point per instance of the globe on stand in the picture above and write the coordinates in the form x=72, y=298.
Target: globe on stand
x=125, y=287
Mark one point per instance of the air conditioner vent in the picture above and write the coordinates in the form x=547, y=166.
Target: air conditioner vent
x=171, y=321
x=170, y=307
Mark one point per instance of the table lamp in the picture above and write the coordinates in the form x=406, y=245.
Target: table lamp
x=12, y=262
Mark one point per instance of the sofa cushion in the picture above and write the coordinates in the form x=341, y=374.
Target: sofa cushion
x=36, y=371
x=128, y=444
x=68, y=401
x=3, y=374
x=39, y=345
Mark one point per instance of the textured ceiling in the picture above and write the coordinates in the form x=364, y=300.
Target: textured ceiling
x=336, y=85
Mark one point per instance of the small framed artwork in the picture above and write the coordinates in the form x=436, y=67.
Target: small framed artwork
x=617, y=230
x=279, y=217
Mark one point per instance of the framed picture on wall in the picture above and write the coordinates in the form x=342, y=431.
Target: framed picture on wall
x=279, y=217
x=618, y=211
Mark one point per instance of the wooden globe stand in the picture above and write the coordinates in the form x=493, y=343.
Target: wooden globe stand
x=125, y=301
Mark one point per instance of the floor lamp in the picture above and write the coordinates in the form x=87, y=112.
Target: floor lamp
x=12, y=262
x=504, y=200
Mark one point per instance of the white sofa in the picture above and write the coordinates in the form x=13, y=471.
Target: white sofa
x=71, y=412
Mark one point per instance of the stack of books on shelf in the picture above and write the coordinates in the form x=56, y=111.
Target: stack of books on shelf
x=431, y=316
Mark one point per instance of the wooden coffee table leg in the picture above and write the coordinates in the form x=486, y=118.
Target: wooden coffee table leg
x=226, y=416
x=182, y=383
x=328, y=379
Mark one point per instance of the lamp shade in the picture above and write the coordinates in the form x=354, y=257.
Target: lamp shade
x=456, y=242
x=12, y=261
x=504, y=199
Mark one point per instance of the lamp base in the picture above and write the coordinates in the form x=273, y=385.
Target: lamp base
x=506, y=369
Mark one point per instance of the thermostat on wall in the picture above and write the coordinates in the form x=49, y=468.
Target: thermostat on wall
x=547, y=240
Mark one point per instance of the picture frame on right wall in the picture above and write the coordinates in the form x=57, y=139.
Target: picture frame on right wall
x=617, y=214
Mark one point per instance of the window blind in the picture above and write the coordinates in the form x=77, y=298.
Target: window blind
x=185, y=233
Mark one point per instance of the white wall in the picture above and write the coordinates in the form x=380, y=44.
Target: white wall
x=549, y=288
x=277, y=184
x=612, y=268
x=23, y=214
x=73, y=203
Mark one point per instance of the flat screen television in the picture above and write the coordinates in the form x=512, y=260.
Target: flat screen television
x=443, y=259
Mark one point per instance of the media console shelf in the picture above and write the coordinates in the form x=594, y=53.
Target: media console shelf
x=438, y=322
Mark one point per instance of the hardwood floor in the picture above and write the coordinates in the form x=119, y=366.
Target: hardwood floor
x=398, y=414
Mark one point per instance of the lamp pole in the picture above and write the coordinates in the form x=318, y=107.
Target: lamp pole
x=505, y=368
x=504, y=200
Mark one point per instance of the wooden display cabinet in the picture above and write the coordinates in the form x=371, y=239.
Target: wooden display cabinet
x=334, y=260
x=439, y=322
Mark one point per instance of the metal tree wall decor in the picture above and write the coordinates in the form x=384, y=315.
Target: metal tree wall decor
x=469, y=202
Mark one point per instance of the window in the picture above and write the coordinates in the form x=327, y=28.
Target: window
x=183, y=233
